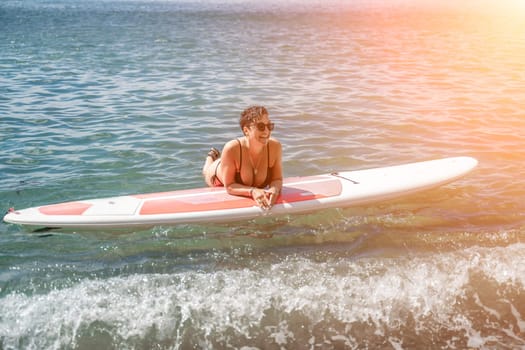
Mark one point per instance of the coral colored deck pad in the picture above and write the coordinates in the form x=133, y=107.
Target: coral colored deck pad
x=219, y=200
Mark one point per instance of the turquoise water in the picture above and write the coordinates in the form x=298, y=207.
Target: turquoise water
x=107, y=97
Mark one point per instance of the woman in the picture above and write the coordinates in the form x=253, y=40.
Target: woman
x=251, y=165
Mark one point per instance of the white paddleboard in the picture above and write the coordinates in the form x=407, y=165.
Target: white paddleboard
x=214, y=205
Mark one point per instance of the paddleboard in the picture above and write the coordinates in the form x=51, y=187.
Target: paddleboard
x=215, y=205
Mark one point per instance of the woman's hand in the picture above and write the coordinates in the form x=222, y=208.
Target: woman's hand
x=264, y=198
x=272, y=194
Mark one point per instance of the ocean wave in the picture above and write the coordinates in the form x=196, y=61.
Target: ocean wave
x=296, y=302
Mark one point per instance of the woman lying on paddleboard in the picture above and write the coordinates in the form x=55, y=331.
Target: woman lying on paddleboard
x=251, y=165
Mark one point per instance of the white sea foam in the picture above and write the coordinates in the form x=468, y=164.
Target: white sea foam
x=383, y=293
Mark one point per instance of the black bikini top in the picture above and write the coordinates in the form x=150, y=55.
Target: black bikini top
x=268, y=179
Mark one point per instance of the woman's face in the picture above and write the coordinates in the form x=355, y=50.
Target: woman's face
x=260, y=130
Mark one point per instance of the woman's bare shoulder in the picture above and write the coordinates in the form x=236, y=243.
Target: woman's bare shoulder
x=231, y=146
x=275, y=144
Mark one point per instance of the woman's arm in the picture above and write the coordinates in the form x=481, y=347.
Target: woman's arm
x=228, y=169
x=276, y=182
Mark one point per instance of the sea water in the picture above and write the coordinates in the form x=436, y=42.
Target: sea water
x=111, y=97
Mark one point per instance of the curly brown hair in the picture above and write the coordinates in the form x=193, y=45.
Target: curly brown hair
x=251, y=114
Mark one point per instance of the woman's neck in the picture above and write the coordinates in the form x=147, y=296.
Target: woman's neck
x=254, y=147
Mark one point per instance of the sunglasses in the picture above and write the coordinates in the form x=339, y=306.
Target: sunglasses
x=261, y=126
